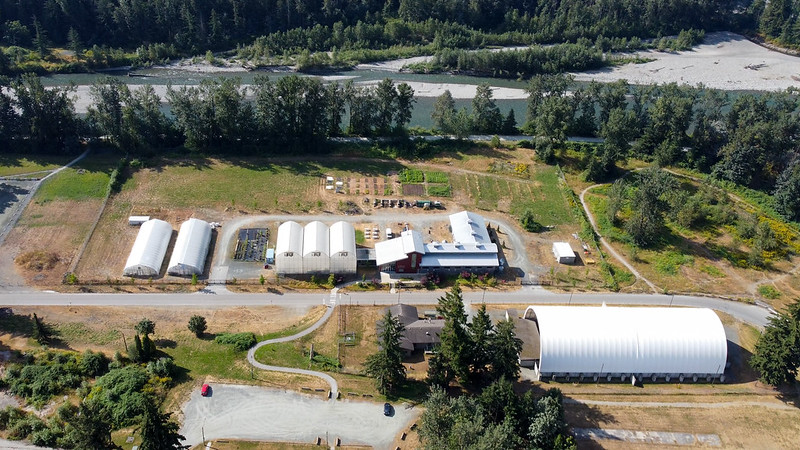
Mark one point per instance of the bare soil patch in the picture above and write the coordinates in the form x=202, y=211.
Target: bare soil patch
x=57, y=228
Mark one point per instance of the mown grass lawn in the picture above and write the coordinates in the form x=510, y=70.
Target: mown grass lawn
x=86, y=180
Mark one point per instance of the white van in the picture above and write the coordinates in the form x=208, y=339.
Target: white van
x=389, y=233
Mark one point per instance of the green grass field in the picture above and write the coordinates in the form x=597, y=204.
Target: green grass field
x=541, y=194
x=253, y=183
x=86, y=180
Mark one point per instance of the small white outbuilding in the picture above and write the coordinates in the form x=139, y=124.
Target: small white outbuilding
x=289, y=248
x=343, y=248
x=149, y=249
x=563, y=253
x=191, y=248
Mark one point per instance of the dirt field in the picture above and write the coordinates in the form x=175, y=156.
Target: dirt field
x=57, y=227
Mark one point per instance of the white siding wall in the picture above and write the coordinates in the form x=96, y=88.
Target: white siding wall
x=149, y=249
x=191, y=248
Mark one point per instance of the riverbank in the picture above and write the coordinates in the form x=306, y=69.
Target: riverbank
x=724, y=60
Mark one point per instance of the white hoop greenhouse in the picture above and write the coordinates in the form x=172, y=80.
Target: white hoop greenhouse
x=191, y=248
x=149, y=249
x=316, y=258
x=289, y=248
x=343, y=248
x=607, y=342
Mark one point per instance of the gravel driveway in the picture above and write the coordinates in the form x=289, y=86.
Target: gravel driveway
x=264, y=414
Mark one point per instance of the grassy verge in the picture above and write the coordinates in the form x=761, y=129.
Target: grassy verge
x=11, y=165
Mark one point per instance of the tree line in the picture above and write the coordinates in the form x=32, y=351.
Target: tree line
x=749, y=139
x=168, y=28
x=216, y=116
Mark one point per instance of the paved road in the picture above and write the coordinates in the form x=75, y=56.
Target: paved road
x=251, y=355
x=749, y=313
x=264, y=414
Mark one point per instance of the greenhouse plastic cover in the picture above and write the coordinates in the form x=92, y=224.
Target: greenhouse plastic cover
x=630, y=340
x=191, y=248
x=149, y=248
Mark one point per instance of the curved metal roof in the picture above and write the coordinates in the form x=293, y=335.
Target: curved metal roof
x=585, y=339
x=315, y=238
x=149, y=249
x=290, y=238
x=342, y=238
x=191, y=248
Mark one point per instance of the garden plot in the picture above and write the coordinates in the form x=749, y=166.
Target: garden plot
x=251, y=245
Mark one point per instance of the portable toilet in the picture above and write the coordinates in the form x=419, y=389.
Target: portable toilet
x=270, y=256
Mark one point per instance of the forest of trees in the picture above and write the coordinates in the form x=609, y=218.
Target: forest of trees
x=167, y=28
x=752, y=140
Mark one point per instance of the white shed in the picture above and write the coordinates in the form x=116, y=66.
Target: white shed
x=137, y=220
x=563, y=253
x=149, y=249
x=342, y=248
x=607, y=342
x=316, y=248
x=191, y=248
x=289, y=248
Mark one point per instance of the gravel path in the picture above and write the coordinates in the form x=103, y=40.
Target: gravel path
x=251, y=354
x=702, y=405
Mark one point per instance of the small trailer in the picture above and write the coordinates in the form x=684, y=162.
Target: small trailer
x=135, y=221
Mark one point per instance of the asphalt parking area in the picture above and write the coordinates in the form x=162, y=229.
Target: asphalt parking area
x=264, y=414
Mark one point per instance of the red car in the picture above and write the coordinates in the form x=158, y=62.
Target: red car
x=205, y=390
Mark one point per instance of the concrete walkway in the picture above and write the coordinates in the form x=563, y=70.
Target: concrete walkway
x=648, y=437
x=251, y=354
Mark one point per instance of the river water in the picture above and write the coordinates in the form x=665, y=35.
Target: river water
x=509, y=95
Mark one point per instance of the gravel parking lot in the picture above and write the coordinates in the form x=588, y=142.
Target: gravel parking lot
x=264, y=414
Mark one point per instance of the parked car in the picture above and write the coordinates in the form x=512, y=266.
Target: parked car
x=205, y=390
x=387, y=409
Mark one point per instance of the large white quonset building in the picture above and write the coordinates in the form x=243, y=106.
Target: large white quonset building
x=343, y=248
x=289, y=248
x=316, y=248
x=191, y=248
x=619, y=342
x=149, y=249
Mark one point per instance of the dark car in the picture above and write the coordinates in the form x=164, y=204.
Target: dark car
x=387, y=409
x=205, y=390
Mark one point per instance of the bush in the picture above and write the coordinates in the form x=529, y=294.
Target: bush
x=197, y=325
x=768, y=292
x=529, y=223
x=162, y=367
x=41, y=378
x=94, y=364
x=120, y=395
x=240, y=341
